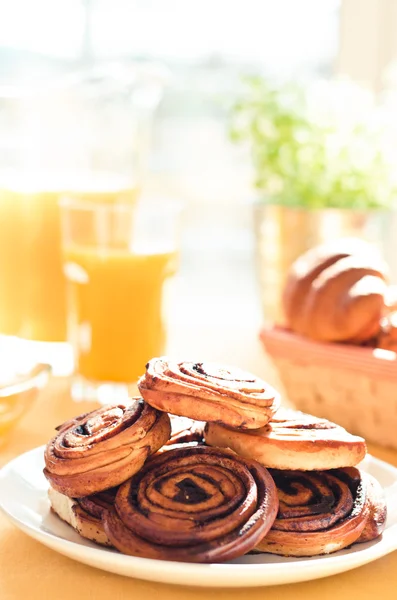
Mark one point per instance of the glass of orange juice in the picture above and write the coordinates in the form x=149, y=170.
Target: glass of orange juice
x=118, y=261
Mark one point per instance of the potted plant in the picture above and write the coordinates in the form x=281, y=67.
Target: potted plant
x=323, y=169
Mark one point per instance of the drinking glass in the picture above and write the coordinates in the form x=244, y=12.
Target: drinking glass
x=118, y=261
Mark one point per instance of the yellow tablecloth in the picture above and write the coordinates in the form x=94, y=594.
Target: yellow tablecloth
x=31, y=571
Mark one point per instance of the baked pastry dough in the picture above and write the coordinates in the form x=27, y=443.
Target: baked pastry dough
x=319, y=513
x=292, y=440
x=103, y=448
x=208, y=392
x=376, y=521
x=193, y=505
x=387, y=338
x=84, y=514
x=185, y=431
x=337, y=292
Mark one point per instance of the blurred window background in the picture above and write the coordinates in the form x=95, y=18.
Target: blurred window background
x=207, y=47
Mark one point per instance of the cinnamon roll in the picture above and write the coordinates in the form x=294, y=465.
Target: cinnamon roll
x=337, y=292
x=193, y=505
x=292, y=440
x=208, y=392
x=319, y=512
x=103, y=448
x=84, y=514
x=376, y=521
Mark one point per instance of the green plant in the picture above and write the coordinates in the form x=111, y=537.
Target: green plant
x=309, y=150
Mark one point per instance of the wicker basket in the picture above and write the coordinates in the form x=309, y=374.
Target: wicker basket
x=355, y=387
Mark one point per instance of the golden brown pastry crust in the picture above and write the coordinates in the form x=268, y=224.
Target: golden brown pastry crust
x=391, y=298
x=320, y=512
x=208, y=392
x=337, y=292
x=185, y=430
x=292, y=440
x=101, y=449
x=193, y=505
x=387, y=338
x=376, y=521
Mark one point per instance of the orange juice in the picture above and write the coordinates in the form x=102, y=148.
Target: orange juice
x=32, y=284
x=116, y=313
x=45, y=311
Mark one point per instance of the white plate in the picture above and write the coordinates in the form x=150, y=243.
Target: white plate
x=23, y=498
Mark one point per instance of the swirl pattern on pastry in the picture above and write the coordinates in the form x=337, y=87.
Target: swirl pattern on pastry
x=319, y=512
x=102, y=449
x=193, y=505
x=95, y=504
x=337, y=292
x=208, y=392
x=292, y=440
x=84, y=514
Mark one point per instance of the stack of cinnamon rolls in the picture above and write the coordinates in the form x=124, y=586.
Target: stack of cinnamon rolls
x=206, y=467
